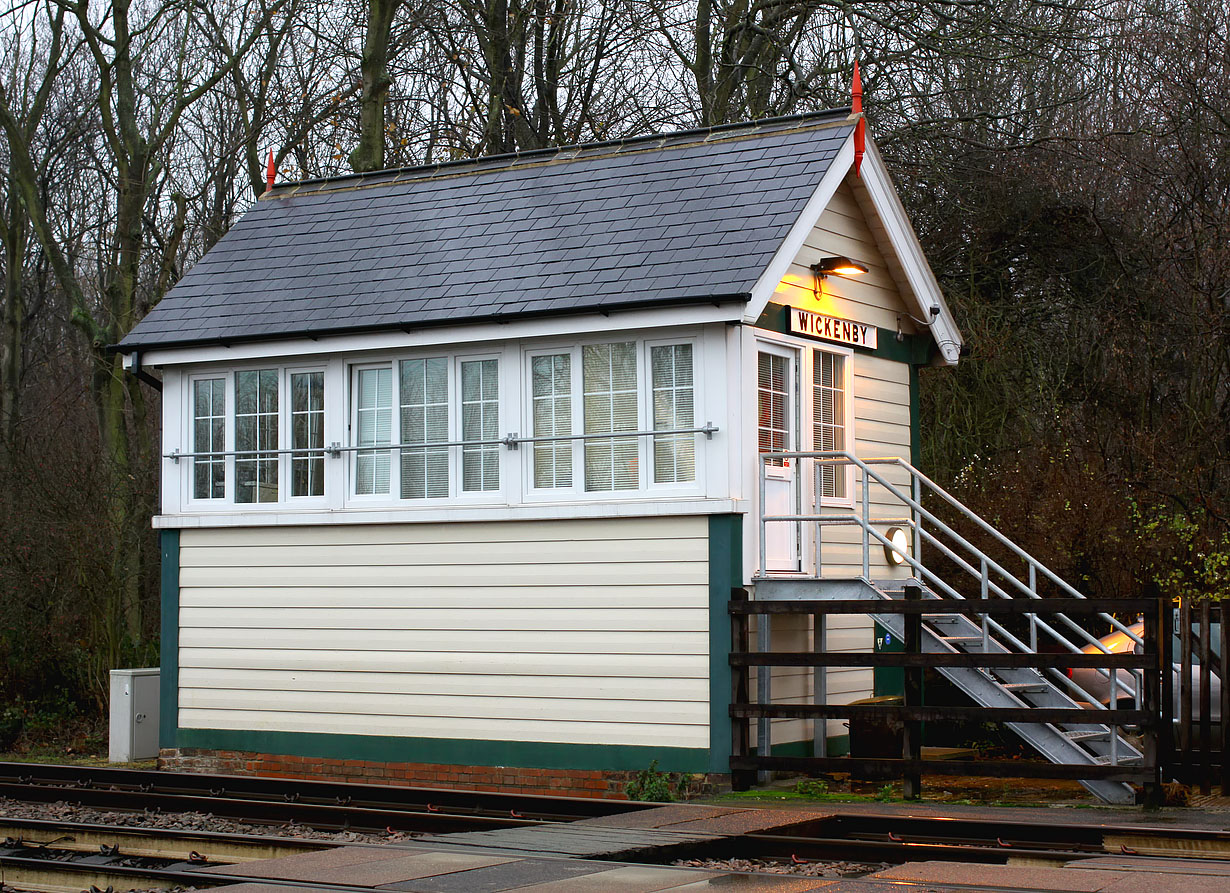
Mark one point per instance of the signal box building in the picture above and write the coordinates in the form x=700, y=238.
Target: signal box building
x=461, y=463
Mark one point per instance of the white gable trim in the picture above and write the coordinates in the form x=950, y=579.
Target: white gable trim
x=923, y=290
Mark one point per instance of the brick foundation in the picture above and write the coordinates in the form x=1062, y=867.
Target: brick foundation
x=605, y=784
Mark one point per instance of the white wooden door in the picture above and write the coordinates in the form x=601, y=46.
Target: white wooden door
x=777, y=431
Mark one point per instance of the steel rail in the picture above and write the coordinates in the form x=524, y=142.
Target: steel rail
x=512, y=441
x=328, y=804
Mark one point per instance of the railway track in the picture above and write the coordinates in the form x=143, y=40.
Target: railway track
x=54, y=856
x=903, y=838
x=316, y=804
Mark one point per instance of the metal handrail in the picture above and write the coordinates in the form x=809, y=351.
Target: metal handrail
x=919, y=513
x=512, y=441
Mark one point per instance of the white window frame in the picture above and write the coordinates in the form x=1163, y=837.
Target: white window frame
x=227, y=502
x=775, y=342
x=809, y=420
x=646, y=488
x=456, y=495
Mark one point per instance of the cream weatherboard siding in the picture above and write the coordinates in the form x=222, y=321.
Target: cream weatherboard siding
x=881, y=423
x=570, y=632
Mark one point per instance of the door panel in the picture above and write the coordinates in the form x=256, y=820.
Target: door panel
x=777, y=431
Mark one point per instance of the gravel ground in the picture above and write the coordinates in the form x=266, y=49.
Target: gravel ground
x=806, y=868
x=185, y=821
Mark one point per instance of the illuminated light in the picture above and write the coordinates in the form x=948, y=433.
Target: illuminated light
x=840, y=266
x=895, y=554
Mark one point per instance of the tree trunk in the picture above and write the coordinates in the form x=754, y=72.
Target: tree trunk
x=13, y=231
x=368, y=155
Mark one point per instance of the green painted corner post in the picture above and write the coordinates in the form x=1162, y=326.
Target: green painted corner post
x=725, y=574
x=168, y=677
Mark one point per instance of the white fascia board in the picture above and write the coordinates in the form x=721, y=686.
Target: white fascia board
x=462, y=333
x=773, y=274
x=924, y=290
x=645, y=508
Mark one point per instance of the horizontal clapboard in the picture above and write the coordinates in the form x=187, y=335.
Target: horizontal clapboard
x=590, y=632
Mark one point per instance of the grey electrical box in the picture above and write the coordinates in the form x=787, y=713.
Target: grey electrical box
x=134, y=715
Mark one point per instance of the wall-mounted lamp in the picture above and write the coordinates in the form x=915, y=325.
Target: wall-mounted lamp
x=841, y=266
x=895, y=554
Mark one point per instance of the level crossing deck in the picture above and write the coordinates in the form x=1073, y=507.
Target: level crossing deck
x=567, y=858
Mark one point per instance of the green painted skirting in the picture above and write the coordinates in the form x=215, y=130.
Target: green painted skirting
x=725, y=573
x=449, y=751
x=168, y=687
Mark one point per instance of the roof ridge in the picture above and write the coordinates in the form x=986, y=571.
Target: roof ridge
x=571, y=152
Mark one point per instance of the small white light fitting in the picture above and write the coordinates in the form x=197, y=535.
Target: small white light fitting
x=895, y=554
x=840, y=265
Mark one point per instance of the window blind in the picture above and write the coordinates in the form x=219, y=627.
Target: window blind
x=772, y=404
x=256, y=429
x=424, y=420
x=480, y=420
x=829, y=417
x=374, y=421
x=307, y=432
x=551, y=390
x=610, y=406
x=674, y=455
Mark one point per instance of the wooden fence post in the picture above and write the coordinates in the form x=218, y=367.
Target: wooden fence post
x=740, y=690
x=911, y=738
x=1151, y=678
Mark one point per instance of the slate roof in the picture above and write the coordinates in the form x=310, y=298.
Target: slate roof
x=670, y=219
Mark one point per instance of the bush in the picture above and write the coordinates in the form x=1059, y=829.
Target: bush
x=654, y=786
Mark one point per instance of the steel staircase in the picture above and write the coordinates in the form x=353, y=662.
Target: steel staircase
x=952, y=561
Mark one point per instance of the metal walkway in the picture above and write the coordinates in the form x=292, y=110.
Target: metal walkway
x=889, y=500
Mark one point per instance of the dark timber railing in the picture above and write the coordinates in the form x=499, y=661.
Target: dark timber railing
x=1148, y=713
x=1202, y=735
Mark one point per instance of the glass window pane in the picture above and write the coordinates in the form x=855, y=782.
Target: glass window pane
x=374, y=427
x=674, y=455
x=551, y=395
x=256, y=436
x=828, y=417
x=424, y=420
x=480, y=421
x=772, y=404
x=307, y=433
x=209, y=436
x=610, y=404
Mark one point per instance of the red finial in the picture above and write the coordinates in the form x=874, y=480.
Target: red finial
x=860, y=127
x=270, y=172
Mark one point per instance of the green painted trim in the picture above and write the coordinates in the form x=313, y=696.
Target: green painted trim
x=449, y=751
x=839, y=746
x=915, y=349
x=915, y=419
x=168, y=680
x=725, y=573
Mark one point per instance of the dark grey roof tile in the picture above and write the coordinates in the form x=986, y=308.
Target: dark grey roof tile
x=669, y=218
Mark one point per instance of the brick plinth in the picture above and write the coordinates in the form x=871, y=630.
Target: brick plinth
x=603, y=784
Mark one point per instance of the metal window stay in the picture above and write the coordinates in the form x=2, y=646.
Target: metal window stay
x=512, y=441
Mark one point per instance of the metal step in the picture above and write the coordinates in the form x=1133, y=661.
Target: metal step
x=1104, y=760
x=1024, y=686
x=1006, y=691
x=1087, y=736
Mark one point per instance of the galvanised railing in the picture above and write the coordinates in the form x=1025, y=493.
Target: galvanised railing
x=993, y=578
